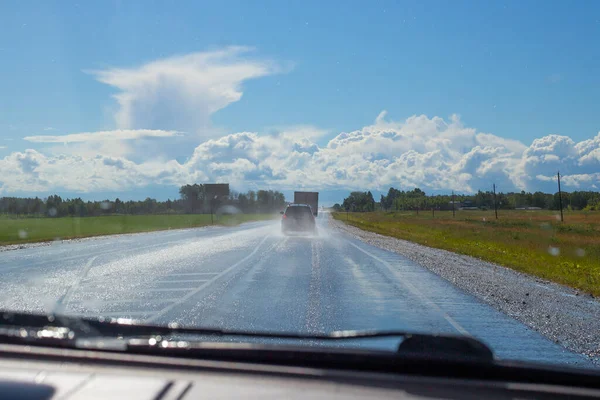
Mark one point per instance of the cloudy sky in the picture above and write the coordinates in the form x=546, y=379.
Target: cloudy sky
x=133, y=99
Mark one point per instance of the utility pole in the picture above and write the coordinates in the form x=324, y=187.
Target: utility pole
x=560, y=198
x=453, y=210
x=495, y=203
x=212, y=209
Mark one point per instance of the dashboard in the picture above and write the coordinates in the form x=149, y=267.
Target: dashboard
x=48, y=373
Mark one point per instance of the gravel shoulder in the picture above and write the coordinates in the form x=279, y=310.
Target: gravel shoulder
x=560, y=313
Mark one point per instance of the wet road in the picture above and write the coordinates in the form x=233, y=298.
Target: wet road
x=253, y=278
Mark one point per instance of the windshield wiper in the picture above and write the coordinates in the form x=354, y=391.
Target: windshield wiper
x=68, y=331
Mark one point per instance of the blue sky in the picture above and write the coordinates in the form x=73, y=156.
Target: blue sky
x=519, y=70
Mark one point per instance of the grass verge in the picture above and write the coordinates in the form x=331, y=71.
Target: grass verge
x=534, y=242
x=28, y=230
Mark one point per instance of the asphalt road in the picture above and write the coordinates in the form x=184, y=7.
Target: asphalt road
x=253, y=278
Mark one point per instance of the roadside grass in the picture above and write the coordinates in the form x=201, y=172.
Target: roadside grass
x=28, y=230
x=534, y=242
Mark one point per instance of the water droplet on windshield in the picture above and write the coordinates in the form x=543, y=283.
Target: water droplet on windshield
x=23, y=234
x=52, y=212
x=105, y=205
x=580, y=252
x=553, y=251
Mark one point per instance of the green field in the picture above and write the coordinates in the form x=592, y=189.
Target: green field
x=27, y=230
x=534, y=242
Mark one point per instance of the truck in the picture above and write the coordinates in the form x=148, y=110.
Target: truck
x=310, y=198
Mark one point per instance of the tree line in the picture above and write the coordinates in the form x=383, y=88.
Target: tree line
x=418, y=199
x=191, y=201
x=196, y=198
x=357, y=201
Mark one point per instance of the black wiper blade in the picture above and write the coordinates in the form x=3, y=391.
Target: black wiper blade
x=444, y=346
x=413, y=344
x=131, y=328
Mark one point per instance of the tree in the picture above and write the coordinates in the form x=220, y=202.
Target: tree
x=149, y=206
x=53, y=205
x=243, y=202
x=251, y=199
x=388, y=201
x=556, y=201
x=269, y=200
x=118, y=206
x=359, y=201
x=370, y=206
x=540, y=200
x=193, y=197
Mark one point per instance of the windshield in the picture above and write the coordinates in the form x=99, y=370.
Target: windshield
x=450, y=153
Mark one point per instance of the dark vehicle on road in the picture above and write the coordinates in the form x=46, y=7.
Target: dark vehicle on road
x=298, y=218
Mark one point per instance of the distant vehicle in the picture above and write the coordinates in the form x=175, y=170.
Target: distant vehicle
x=310, y=198
x=298, y=218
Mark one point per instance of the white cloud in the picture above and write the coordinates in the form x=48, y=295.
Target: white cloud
x=116, y=143
x=49, y=128
x=578, y=163
x=101, y=136
x=2, y=147
x=581, y=181
x=182, y=92
x=435, y=154
x=32, y=171
x=294, y=131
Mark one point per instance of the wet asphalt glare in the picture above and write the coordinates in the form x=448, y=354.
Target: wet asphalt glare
x=252, y=277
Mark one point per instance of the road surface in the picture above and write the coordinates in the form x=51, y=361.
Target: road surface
x=253, y=278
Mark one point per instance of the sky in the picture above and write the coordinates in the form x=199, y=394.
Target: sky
x=135, y=98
